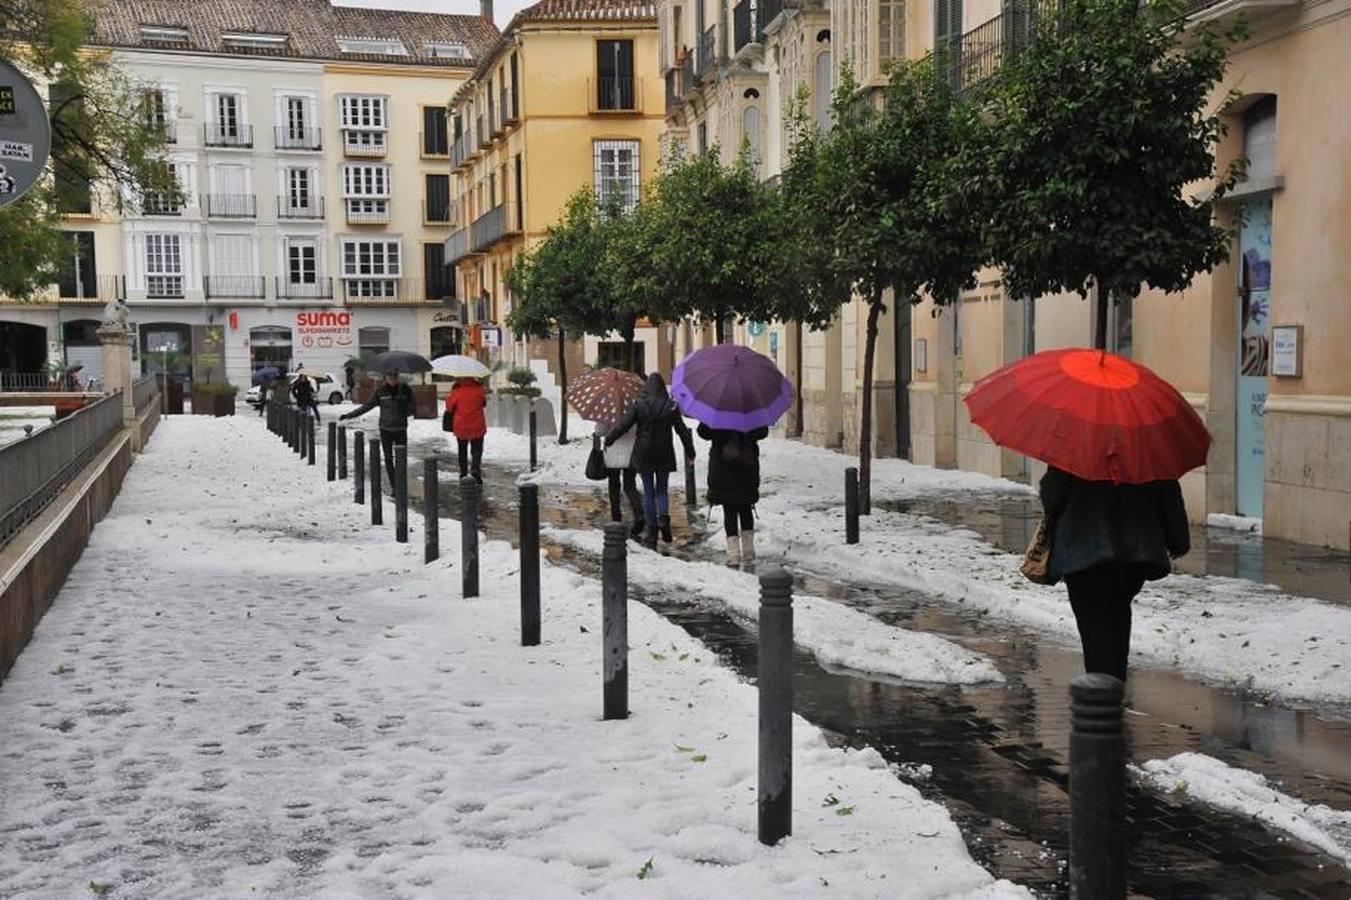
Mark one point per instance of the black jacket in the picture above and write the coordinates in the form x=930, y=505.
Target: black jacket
x=1093, y=522
x=303, y=391
x=655, y=415
x=396, y=405
x=733, y=466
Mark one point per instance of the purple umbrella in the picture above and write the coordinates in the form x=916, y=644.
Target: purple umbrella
x=731, y=387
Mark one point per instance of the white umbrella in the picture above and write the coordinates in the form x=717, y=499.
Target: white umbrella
x=457, y=366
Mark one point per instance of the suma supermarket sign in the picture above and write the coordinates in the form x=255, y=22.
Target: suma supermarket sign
x=324, y=329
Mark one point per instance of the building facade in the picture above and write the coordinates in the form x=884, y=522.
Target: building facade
x=310, y=144
x=564, y=100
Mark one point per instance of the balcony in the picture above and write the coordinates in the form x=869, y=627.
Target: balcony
x=1221, y=10
x=230, y=206
x=288, y=138
x=495, y=127
x=507, y=104
x=388, y=291
x=483, y=308
x=157, y=204
x=689, y=78
x=973, y=58
x=460, y=152
x=673, y=101
x=708, y=50
x=233, y=135
x=621, y=95
x=365, y=144
x=358, y=214
x=167, y=131
x=319, y=289
x=457, y=246
x=489, y=228
x=234, y=287
x=300, y=208
x=92, y=291
x=485, y=137
x=749, y=18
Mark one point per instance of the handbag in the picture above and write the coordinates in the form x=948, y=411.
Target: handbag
x=1036, y=566
x=447, y=422
x=595, y=465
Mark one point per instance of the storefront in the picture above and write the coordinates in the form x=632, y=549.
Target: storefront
x=322, y=339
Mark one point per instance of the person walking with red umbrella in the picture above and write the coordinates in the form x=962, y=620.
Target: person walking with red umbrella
x=1116, y=438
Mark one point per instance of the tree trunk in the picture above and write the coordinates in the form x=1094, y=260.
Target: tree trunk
x=1103, y=297
x=719, y=332
x=628, y=350
x=563, y=382
x=865, y=442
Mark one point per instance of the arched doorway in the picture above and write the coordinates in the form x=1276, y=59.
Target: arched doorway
x=23, y=355
x=270, y=345
x=445, y=340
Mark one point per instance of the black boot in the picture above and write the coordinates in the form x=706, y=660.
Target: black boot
x=665, y=523
x=636, y=531
x=650, y=536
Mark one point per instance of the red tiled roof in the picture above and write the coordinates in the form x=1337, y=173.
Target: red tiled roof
x=587, y=11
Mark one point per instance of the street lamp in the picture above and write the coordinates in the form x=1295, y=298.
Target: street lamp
x=163, y=350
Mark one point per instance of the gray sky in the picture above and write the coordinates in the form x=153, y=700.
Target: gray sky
x=503, y=10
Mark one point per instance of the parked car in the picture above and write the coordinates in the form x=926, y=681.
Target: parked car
x=326, y=387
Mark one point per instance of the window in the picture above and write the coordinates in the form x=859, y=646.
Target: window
x=947, y=22
x=373, y=339
x=297, y=118
x=155, y=113
x=445, y=50
x=163, y=266
x=245, y=40
x=614, y=75
x=227, y=115
x=302, y=262
x=164, y=35
x=73, y=169
x=891, y=31
x=370, y=268
x=434, y=138
x=703, y=138
x=439, y=282
x=750, y=133
x=616, y=173
x=156, y=203
x=372, y=46
x=365, y=121
x=365, y=181
x=299, y=198
x=78, y=278
x=438, y=198
x=822, y=90
x=515, y=97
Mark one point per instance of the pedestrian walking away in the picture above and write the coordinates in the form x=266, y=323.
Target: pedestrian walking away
x=303, y=392
x=350, y=377
x=623, y=476
x=263, y=387
x=395, y=400
x=1106, y=540
x=654, y=417
x=734, y=484
x=464, y=418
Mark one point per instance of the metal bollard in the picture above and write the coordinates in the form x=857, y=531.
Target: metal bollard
x=534, y=433
x=529, y=565
x=614, y=581
x=469, y=536
x=377, y=499
x=310, y=428
x=332, y=454
x=616, y=508
x=401, y=493
x=1097, y=789
x=342, y=452
x=359, y=469
x=300, y=433
x=431, y=503
x=775, y=680
x=691, y=489
x=851, y=505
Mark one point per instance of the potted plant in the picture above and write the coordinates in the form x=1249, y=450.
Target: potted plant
x=213, y=399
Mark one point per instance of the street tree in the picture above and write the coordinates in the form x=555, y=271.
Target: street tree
x=101, y=148
x=1104, y=135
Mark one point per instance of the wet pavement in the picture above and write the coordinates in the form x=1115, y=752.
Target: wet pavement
x=999, y=754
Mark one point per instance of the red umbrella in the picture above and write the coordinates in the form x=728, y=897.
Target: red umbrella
x=604, y=395
x=1095, y=415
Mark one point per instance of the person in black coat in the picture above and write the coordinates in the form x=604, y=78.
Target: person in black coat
x=395, y=400
x=734, y=484
x=1106, y=541
x=303, y=392
x=655, y=415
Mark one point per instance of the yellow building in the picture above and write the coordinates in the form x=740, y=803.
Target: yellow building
x=568, y=97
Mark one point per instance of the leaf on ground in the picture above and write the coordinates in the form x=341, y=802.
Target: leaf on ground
x=100, y=888
x=646, y=870
x=681, y=748
x=831, y=800
x=341, y=619
x=699, y=757
x=656, y=655
x=845, y=811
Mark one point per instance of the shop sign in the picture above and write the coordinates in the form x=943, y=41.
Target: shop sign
x=1286, y=359
x=492, y=336
x=25, y=134
x=324, y=329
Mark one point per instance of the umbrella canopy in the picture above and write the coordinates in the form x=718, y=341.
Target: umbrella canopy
x=603, y=396
x=398, y=361
x=266, y=373
x=1095, y=415
x=457, y=366
x=731, y=387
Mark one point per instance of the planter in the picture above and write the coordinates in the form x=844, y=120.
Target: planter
x=365, y=390
x=173, y=397
x=204, y=404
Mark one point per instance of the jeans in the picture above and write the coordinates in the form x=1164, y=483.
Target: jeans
x=730, y=515
x=624, y=482
x=387, y=441
x=1101, y=598
x=656, y=500
x=466, y=448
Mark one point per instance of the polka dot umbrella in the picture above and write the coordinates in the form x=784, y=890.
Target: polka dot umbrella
x=603, y=396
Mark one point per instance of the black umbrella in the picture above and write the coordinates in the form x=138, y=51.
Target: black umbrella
x=397, y=361
x=266, y=373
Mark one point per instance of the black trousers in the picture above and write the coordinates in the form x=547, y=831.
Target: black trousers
x=731, y=515
x=387, y=441
x=466, y=449
x=1101, y=598
x=628, y=480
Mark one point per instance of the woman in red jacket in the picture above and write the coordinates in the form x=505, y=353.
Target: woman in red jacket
x=464, y=417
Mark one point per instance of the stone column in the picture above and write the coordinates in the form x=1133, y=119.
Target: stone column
x=116, y=341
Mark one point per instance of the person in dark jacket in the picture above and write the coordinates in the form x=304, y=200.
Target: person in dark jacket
x=263, y=387
x=655, y=416
x=395, y=400
x=303, y=392
x=1106, y=541
x=350, y=377
x=734, y=484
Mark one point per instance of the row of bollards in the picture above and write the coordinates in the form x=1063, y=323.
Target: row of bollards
x=1097, y=746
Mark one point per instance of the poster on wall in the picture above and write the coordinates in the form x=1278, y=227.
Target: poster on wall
x=323, y=330
x=208, y=353
x=1254, y=352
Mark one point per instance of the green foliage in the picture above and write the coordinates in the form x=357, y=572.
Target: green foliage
x=100, y=147
x=1102, y=136
x=215, y=388
x=522, y=377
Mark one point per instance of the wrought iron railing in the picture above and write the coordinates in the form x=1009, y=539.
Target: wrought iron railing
x=321, y=288
x=973, y=58
x=489, y=228
x=673, y=101
x=217, y=134
x=708, y=49
x=288, y=138
x=457, y=246
x=616, y=94
x=143, y=391
x=689, y=75
x=297, y=207
x=242, y=287
x=230, y=206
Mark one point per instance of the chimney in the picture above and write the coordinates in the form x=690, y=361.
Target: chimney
x=486, y=10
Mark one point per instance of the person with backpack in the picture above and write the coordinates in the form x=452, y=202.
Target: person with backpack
x=395, y=400
x=464, y=417
x=734, y=484
x=655, y=416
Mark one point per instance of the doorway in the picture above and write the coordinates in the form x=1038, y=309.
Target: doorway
x=23, y=355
